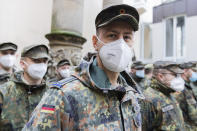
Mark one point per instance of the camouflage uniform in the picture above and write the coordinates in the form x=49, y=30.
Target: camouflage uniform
x=169, y=115
x=4, y=77
x=88, y=102
x=166, y=114
x=143, y=83
x=188, y=105
x=17, y=101
x=188, y=100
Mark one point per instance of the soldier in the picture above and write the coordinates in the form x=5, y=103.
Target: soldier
x=99, y=98
x=165, y=85
x=193, y=79
x=148, y=70
x=20, y=96
x=188, y=98
x=137, y=73
x=63, y=69
x=7, y=60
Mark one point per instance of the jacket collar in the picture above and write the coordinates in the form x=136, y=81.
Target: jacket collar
x=155, y=84
x=105, y=86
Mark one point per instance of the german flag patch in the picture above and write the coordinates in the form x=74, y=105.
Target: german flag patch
x=48, y=109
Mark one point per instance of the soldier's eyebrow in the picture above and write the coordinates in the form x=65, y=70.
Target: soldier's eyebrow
x=111, y=31
x=128, y=33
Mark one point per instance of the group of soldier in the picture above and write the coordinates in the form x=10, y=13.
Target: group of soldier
x=101, y=94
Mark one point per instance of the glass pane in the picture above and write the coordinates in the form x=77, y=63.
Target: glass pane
x=180, y=29
x=169, y=37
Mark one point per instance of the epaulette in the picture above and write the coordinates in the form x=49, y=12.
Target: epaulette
x=61, y=83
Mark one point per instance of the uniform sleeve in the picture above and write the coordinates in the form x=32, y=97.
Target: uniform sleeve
x=151, y=117
x=50, y=113
x=1, y=103
x=1, y=108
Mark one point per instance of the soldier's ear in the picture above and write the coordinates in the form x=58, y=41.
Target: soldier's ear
x=159, y=76
x=23, y=64
x=95, y=42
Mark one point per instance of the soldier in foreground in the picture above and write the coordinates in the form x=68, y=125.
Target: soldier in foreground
x=7, y=61
x=20, y=96
x=166, y=84
x=100, y=97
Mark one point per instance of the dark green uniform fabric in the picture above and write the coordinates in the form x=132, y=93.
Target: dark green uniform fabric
x=86, y=103
x=168, y=112
x=188, y=104
x=17, y=101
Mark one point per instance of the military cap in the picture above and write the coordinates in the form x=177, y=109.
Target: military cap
x=148, y=66
x=118, y=12
x=63, y=62
x=137, y=65
x=195, y=68
x=187, y=65
x=36, y=51
x=8, y=46
x=168, y=65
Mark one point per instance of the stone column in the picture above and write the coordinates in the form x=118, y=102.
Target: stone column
x=107, y=3
x=65, y=39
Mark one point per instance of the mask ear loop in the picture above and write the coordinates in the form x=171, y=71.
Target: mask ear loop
x=25, y=63
x=99, y=43
x=99, y=40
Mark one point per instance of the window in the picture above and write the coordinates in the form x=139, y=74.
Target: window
x=175, y=36
x=146, y=44
x=167, y=1
x=169, y=38
x=180, y=29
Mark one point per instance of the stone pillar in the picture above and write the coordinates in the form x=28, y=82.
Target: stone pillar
x=107, y=3
x=65, y=39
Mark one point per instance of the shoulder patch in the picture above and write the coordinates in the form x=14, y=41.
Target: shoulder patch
x=61, y=83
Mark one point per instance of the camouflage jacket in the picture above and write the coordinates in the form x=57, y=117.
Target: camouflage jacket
x=169, y=115
x=17, y=101
x=188, y=101
x=4, y=78
x=80, y=104
x=142, y=82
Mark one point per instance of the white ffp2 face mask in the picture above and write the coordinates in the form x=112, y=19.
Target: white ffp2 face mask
x=36, y=71
x=115, y=55
x=64, y=73
x=8, y=61
x=177, y=84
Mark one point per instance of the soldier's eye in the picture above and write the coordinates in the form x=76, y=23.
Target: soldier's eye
x=127, y=38
x=111, y=36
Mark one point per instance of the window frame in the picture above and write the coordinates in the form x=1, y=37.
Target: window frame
x=175, y=57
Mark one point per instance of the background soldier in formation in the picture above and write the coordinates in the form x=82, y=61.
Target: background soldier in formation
x=165, y=85
x=137, y=73
x=188, y=97
x=7, y=60
x=63, y=70
x=20, y=96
